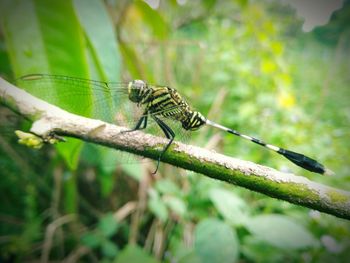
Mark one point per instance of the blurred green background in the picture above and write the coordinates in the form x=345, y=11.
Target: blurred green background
x=246, y=64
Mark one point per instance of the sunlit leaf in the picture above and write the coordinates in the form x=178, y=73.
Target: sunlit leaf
x=47, y=43
x=100, y=33
x=286, y=100
x=268, y=66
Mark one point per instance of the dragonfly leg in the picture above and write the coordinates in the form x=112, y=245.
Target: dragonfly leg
x=140, y=125
x=169, y=133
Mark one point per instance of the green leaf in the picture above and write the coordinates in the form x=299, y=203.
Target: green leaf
x=153, y=19
x=190, y=257
x=259, y=251
x=176, y=205
x=209, y=4
x=70, y=151
x=229, y=205
x=70, y=192
x=91, y=240
x=106, y=180
x=109, y=249
x=62, y=37
x=281, y=231
x=134, y=253
x=215, y=241
x=108, y=225
x=166, y=186
x=100, y=33
x=157, y=206
x=45, y=37
x=54, y=43
x=133, y=62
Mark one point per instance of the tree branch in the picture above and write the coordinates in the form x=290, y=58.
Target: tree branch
x=294, y=189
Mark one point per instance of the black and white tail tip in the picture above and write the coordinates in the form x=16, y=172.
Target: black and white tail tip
x=297, y=158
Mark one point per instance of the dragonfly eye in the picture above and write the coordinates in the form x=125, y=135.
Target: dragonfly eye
x=136, y=90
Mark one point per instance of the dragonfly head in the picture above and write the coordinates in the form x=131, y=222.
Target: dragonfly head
x=137, y=90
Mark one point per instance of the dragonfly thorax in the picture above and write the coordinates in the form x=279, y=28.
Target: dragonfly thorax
x=138, y=90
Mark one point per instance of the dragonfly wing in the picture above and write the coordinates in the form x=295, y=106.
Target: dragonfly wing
x=85, y=97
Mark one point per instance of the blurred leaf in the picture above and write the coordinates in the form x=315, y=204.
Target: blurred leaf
x=281, y=231
x=260, y=251
x=135, y=65
x=216, y=242
x=286, y=100
x=154, y=20
x=133, y=253
x=277, y=48
x=133, y=169
x=229, y=205
x=243, y=3
x=100, y=33
x=209, y=4
x=268, y=66
x=166, y=186
x=91, y=240
x=40, y=42
x=108, y=225
x=109, y=249
x=106, y=180
x=70, y=150
x=106, y=159
x=176, y=205
x=190, y=257
x=70, y=192
x=157, y=206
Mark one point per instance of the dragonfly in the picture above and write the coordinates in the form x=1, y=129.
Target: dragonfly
x=158, y=103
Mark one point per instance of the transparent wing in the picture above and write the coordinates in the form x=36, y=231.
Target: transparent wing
x=107, y=101
x=89, y=98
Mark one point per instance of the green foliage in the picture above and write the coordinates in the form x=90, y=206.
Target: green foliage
x=280, y=231
x=133, y=253
x=100, y=237
x=337, y=29
x=229, y=205
x=215, y=242
x=245, y=64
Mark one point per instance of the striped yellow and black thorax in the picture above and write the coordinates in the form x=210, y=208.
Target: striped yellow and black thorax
x=165, y=101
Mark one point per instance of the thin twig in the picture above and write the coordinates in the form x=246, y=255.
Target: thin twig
x=140, y=208
x=77, y=254
x=125, y=210
x=50, y=231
